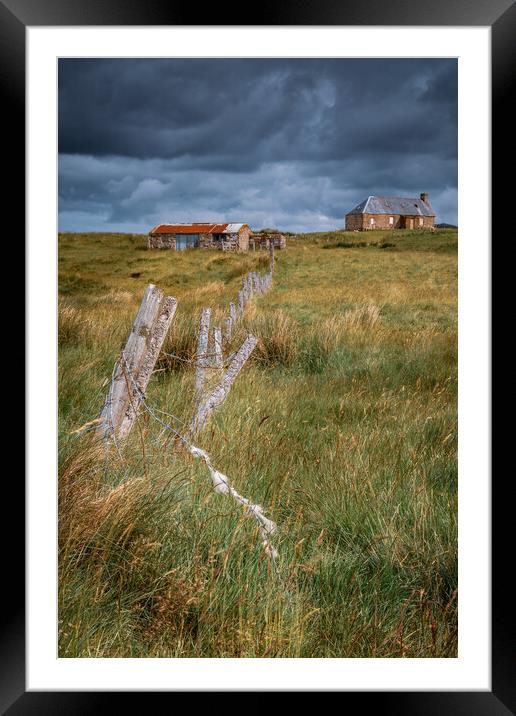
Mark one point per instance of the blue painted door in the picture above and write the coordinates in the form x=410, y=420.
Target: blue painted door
x=186, y=241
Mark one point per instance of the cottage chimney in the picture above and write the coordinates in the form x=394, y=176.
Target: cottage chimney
x=424, y=197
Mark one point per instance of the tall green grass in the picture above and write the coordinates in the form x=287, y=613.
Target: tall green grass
x=342, y=425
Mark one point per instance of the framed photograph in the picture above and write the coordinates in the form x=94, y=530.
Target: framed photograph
x=259, y=403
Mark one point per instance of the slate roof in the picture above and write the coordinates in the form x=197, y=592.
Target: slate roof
x=406, y=206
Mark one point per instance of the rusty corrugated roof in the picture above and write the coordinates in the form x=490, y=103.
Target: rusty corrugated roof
x=189, y=229
x=233, y=228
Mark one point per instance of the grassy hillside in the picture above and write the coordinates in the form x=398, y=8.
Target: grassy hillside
x=343, y=426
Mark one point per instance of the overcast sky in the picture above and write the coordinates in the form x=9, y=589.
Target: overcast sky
x=291, y=144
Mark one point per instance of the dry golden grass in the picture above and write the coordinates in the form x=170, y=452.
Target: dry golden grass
x=343, y=425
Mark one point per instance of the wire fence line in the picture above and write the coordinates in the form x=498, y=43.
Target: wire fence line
x=195, y=357
x=221, y=483
x=207, y=401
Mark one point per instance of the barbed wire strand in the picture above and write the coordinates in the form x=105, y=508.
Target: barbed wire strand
x=221, y=483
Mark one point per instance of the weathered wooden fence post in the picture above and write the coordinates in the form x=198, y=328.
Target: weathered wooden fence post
x=271, y=256
x=241, y=303
x=232, y=313
x=228, y=327
x=136, y=364
x=211, y=401
x=217, y=347
x=201, y=360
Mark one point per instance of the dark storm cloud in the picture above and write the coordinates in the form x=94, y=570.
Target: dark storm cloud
x=294, y=143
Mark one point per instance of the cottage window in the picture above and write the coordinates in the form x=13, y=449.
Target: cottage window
x=420, y=221
x=371, y=221
x=391, y=220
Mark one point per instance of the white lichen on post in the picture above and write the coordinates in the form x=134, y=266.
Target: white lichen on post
x=217, y=396
x=228, y=330
x=241, y=303
x=217, y=347
x=136, y=364
x=201, y=360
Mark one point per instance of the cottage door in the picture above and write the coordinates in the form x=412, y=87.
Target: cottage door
x=409, y=223
x=186, y=241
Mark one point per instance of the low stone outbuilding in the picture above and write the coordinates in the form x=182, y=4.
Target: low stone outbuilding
x=178, y=237
x=391, y=212
x=263, y=241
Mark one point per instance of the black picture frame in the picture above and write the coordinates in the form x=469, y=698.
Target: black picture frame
x=500, y=16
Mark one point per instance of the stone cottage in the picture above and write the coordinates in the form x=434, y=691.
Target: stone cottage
x=391, y=212
x=225, y=237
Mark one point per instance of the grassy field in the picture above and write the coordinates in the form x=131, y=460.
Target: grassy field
x=343, y=426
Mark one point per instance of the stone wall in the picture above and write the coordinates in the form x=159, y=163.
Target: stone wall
x=227, y=242
x=231, y=243
x=243, y=238
x=428, y=222
x=161, y=241
x=206, y=242
x=262, y=241
x=362, y=222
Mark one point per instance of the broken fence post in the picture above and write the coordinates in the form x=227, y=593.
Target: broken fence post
x=208, y=404
x=136, y=364
x=202, y=350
